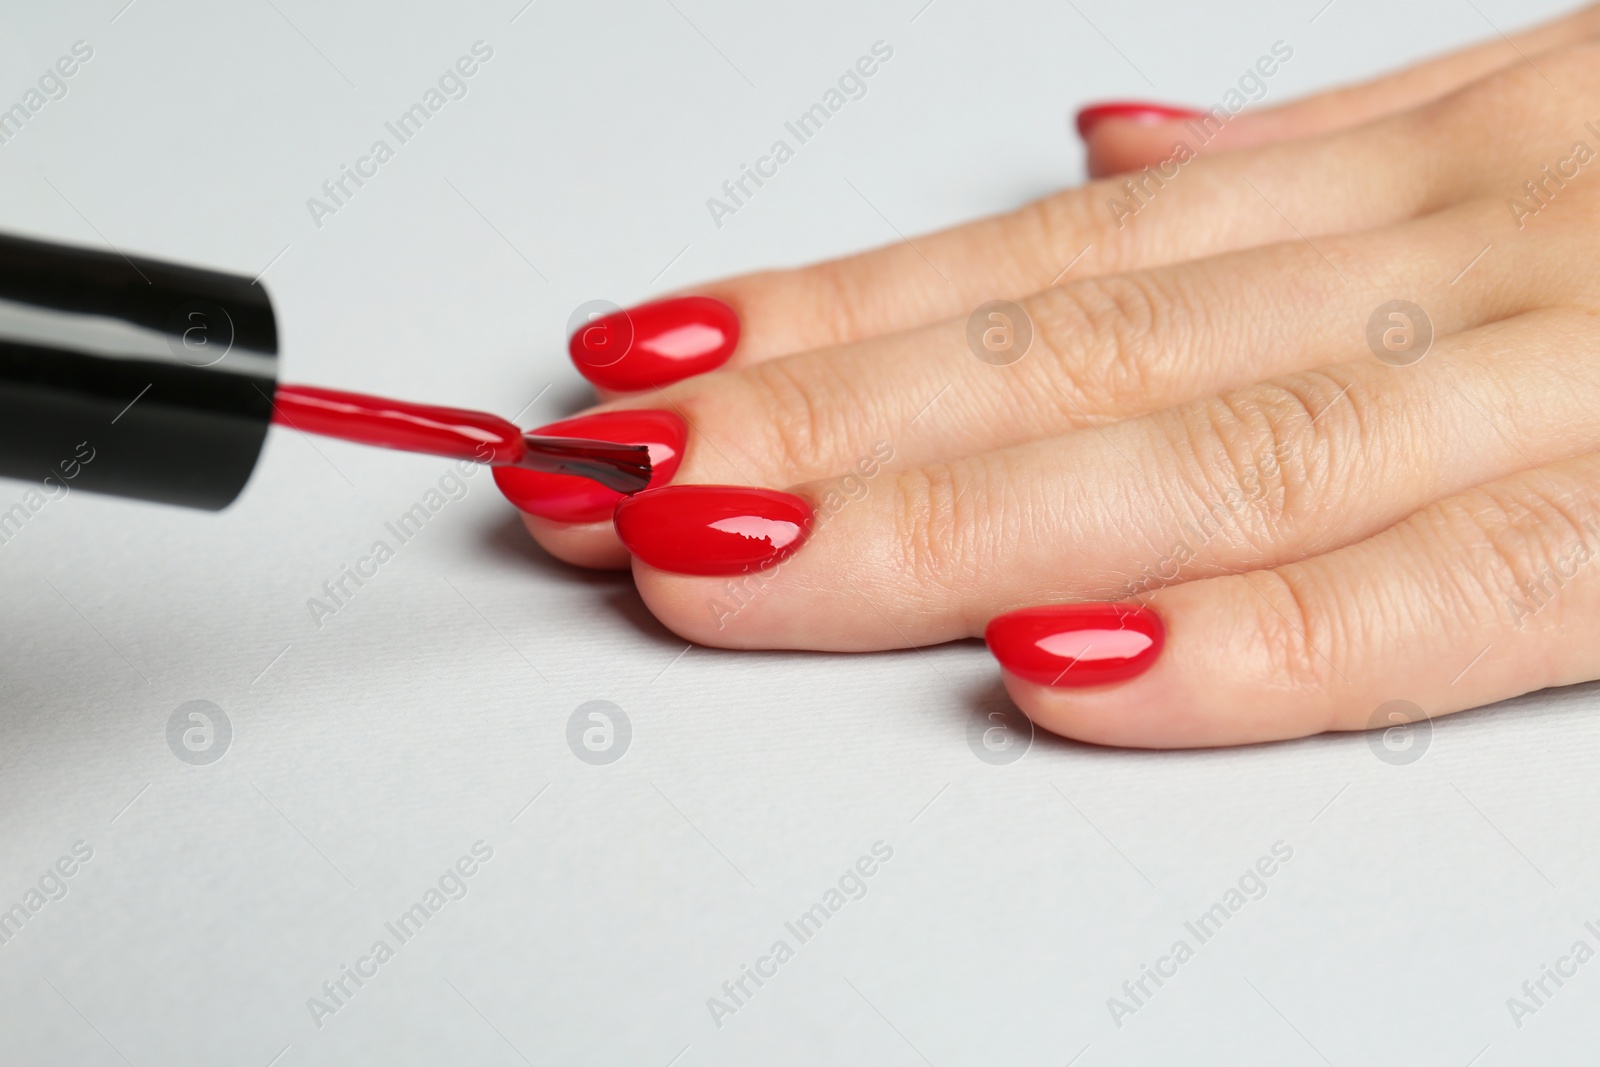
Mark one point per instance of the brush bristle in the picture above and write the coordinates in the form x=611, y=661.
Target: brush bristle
x=624, y=468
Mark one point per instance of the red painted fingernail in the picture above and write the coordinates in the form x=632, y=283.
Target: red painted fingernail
x=713, y=529
x=1131, y=111
x=655, y=344
x=568, y=498
x=1073, y=646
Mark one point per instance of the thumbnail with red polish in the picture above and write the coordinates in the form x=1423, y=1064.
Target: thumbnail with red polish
x=712, y=529
x=655, y=344
x=568, y=498
x=1131, y=111
x=1073, y=646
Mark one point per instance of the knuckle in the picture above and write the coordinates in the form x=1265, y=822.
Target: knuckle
x=1526, y=539
x=1053, y=230
x=1268, y=463
x=833, y=294
x=1517, y=97
x=944, y=523
x=1101, y=335
x=1509, y=88
x=1300, y=627
x=797, y=414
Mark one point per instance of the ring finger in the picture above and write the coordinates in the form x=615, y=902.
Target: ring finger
x=1257, y=477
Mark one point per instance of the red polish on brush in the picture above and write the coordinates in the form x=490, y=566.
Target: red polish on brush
x=562, y=498
x=457, y=433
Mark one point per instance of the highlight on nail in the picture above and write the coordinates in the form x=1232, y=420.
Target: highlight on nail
x=713, y=529
x=1070, y=646
x=654, y=344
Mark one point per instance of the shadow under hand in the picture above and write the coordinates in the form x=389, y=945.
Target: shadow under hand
x=509, y=542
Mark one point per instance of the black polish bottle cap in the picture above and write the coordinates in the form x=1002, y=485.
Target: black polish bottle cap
x=163, y=373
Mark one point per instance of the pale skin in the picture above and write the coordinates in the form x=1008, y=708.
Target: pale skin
x=1428, y=532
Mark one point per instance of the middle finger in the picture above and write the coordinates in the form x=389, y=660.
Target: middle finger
x=1102, y=350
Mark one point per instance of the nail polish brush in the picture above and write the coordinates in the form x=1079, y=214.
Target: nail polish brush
x=168, y=374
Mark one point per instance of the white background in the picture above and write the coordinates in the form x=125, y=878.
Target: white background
x=369, y=754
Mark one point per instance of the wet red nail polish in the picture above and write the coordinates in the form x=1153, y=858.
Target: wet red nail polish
x=568, y=498
x=713, y=529
x=1073, y=646
x=1131, y=111
x=655, y=344
x=458, y=433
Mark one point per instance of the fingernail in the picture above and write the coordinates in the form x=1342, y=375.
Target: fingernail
x=655, y=344
x=1131, y=111
x=568, y=498
x=713, y=529
x=1073, y=646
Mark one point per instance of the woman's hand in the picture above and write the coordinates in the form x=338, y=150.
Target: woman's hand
x=1308, y=424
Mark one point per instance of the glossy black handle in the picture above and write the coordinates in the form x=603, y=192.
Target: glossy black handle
x=161, y=374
